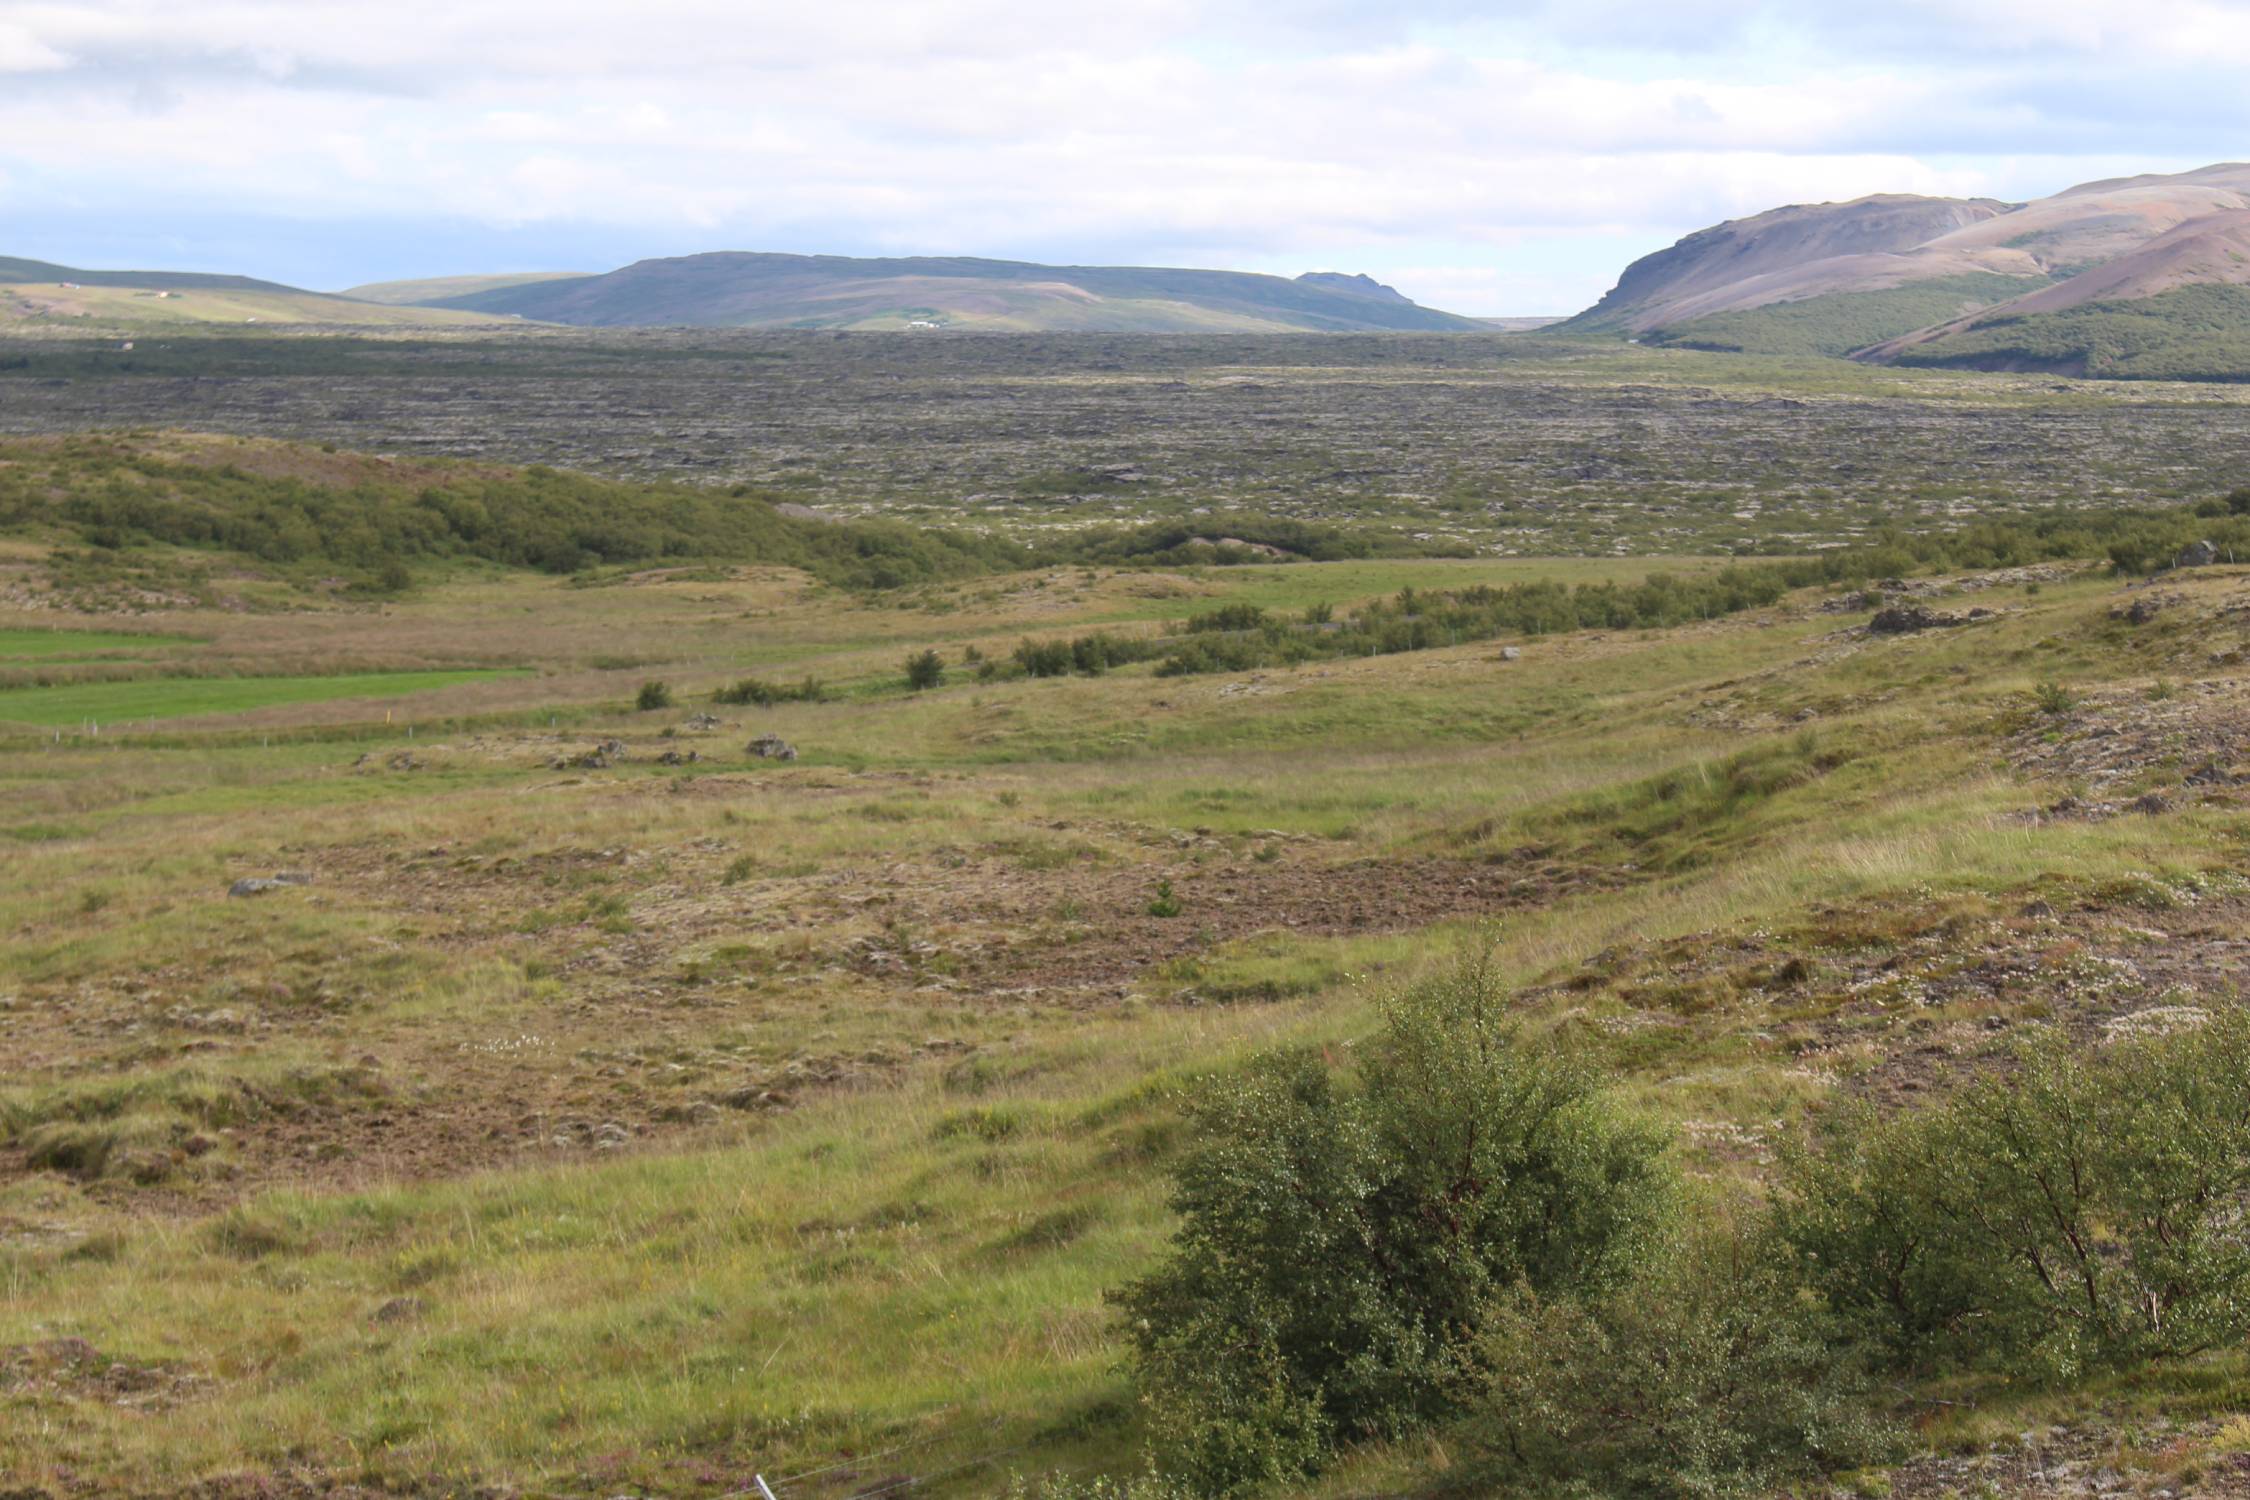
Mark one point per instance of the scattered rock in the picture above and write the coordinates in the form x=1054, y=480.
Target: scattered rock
x=2152, y=803
x=1905, y=619
x=679, y=758
x=771, y=746
x=2144, y=609
x=1511, y=653
x=259, y=885
x=701, y=722
x=753, y=1097
x=797, y=512
x=597, y=759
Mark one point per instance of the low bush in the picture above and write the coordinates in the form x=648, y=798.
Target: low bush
x=1707, y=1375
x=1459, y=1232
x=924, y=670
x=2072, y=1214
x=1343, y=1240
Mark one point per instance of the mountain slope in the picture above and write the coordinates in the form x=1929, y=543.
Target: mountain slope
x=36, y=292
x=16, y=271
x=1851, y=279
x=1745, y=262
x=748, y=290
x=432, y=289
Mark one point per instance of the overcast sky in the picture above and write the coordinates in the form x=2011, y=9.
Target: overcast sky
x=1499, y=157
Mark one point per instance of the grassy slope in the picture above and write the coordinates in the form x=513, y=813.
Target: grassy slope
x=900, y=1276
x=438, y=288
x=17, y=269
x=137, y=308
x=1837, y=324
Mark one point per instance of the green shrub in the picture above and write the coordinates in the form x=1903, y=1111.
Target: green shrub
x=2054, y=698
x=1166, y=902
x=1343, y=1241
x=763, y=694
x=653, y=696
x=1043, y=658
x=924, y=671
x=1708, y=1376
x=2073, y=1214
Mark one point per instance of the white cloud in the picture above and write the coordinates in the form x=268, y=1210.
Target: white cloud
x=23, y=51
x=1244, y=132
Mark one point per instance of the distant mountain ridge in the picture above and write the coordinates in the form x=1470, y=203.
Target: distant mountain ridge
x=1928, y=280
x=745, y=289
x=17, y=271
x=1778, y=255
x=38, y=292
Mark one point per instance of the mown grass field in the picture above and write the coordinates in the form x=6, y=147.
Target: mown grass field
x=142, y=702
x=590, y=1124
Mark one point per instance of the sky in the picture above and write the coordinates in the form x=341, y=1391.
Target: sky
x=1503, y=157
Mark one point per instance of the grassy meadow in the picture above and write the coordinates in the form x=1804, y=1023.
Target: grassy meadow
x=613, y=1110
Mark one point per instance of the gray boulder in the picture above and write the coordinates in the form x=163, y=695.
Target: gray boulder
x=2197, y=555
x=259, y=885
x=771, y=746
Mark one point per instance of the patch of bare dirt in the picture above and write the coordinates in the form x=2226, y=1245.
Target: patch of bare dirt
x=1890, y=1002
x=2188, y=743
x=2160, y=1460
x=71, y=1369
x=640, y=993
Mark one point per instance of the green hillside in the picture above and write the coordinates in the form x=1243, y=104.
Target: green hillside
x=431, y=289
x=37, y=292
x=2192, y=333
x=16, y=269
x=1841, y=322
x=739, y=290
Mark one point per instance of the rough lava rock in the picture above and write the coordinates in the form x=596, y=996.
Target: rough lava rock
x=1905, y=619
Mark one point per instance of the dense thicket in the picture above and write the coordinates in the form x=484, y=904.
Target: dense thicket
x=2189, y=333
x=109, y=496
x=1841, y=322
x=532, y=518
